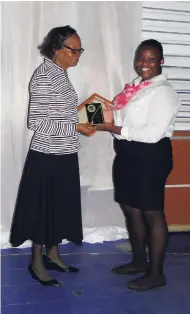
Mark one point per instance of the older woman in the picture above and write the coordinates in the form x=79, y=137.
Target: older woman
x=144, y=115
x=48, y=207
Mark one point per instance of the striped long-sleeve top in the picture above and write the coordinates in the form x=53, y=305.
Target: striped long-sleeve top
x=53, y=111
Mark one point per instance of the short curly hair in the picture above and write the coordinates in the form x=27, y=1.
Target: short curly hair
x=153, y=44
x=54, y=40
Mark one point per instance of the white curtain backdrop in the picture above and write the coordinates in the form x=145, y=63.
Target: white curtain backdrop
x=110, y=32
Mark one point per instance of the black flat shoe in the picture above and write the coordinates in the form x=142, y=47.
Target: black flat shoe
x=52, y=282
x=49, y=264
x=129, y=269
x=146, y=283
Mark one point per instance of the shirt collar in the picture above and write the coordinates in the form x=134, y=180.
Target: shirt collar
x=52, y=64
x=160, y=77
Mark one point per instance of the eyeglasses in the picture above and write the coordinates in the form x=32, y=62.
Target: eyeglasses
x=74, y=50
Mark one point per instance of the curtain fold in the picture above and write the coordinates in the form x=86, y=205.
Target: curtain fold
x=110, y=32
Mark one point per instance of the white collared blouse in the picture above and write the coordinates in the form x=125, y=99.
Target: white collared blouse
x=150, y=114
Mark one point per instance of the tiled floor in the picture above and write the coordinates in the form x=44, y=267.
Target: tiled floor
x=95, y=289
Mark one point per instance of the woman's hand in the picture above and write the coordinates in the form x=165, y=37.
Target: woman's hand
x=85, y=128
x=109, y=127
x=103, y=127
x=108, y=113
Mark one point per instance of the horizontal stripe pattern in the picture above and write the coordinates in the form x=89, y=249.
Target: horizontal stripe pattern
x=169, y=22
x=53, y=111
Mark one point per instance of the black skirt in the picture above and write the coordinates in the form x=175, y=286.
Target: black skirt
x=48, y=207
x=140, y=171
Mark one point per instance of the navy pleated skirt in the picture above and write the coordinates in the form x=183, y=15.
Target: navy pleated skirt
x=48, y=206
x=140, y=171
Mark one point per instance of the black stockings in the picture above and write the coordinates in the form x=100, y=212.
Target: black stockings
x=149, y=228
x=158, y=233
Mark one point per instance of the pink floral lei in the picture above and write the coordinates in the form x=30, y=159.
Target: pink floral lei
x=129, y=91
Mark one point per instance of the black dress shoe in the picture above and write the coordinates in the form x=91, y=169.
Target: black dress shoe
x=52, y=282
x=142, y=284
x=49, y=264
x=129, y=269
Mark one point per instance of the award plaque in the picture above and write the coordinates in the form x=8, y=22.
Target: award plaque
x=93, y=110
x=94, y=113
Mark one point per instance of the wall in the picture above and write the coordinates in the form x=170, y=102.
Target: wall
x=169, y=23
x=177, y=204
